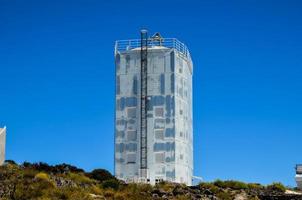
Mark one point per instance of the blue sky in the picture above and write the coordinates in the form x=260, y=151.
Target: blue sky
x=57, y=81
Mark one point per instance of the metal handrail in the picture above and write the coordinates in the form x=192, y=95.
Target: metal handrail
x=298, y=169
x=173, y=43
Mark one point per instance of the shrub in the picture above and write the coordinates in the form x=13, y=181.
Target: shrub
x=80, y=195
x=26, y=164
x=57, y=169
x=135, y=191
x=164, y=185
x=277, y=187
x=42, y=176
x=111, y=183
x=236, y=185
x=254, y=186
x=132, y=188
x=120, y=196
x=29, y=173
x=79, y=178
x=10, y=162
x=68, y=193
x=109, y=193
x=146, y=187
x=66, y=168
x=100, y=175
x=96, y=190
x=210, y=186
x=219, y=183
x=33, y=189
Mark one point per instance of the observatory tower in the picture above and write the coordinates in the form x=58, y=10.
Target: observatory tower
x=299, y=175
x=153, y=112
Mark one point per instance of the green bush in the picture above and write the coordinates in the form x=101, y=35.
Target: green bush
x=42, y=175
x=33, y=189
x=41, y=181
x=135, y=191
x=120, y=196
x=255, y=186
x=57, y=169
x=219, y=183
x=100, y=175
x=29, y=173
x=95, y=190
x=235, y=185
x=79, y=178
x=66, y=168
x=277, y=187
x=209, y=186
x=164, y=185
x=10, y=162
x=111, y=183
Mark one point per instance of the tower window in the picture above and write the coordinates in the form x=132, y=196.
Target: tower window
x=159, y=112
x=159, y=134
x=131, y=112
x=159, y=123
x=131, y=135
x=131, y=158
x=159, y=157
x=120, y=134
x=131, y=147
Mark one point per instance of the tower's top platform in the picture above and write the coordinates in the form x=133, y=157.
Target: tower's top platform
x=171, y=43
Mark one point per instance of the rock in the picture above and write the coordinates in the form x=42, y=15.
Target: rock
x=198, y=196
x=159, y=192
x=207, y=192
x=241, y=196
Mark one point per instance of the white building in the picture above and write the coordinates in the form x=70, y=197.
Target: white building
x=299, y=175
x=2, y=145
x=153, y=118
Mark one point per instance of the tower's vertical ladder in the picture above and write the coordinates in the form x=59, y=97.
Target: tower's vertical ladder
x=143, y=114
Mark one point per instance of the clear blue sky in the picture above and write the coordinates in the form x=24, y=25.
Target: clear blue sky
x=57, y=80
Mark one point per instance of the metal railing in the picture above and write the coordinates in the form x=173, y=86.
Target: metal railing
x=173, y=43
x=299, y=169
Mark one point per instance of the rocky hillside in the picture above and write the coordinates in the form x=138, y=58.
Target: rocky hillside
x=40, y=181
